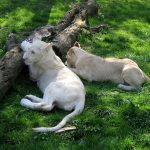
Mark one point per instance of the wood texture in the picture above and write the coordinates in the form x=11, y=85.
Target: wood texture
x=10, y=67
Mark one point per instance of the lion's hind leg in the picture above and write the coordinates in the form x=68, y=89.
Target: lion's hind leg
x=133, y=76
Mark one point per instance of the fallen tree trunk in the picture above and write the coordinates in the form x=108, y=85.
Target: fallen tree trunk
x=10, y=66
x=63, y=36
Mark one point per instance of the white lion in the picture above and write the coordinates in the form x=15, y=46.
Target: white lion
x=125, y=72
x=60, y=86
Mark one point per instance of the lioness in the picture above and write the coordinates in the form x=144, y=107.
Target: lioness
x=124, y=72
x=61, y=87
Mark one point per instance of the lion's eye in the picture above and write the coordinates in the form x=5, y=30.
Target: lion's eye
x=32, y=52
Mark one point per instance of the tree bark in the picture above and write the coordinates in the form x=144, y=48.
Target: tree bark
x=63, y=36
x=10, y=66
x=65, y=39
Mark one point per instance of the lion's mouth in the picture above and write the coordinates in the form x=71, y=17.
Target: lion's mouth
x=27, y=62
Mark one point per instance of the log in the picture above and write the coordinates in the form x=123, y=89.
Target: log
x=63, y=36
x=10, y=66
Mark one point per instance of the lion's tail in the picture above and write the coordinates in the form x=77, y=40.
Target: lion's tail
x=78, y=109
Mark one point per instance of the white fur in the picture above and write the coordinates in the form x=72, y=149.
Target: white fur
x=60, y=86
x=125, y=72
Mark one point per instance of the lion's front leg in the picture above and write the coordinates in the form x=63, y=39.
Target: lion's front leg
x=33, y=98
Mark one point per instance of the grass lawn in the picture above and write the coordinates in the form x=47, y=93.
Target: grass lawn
x=112, y=119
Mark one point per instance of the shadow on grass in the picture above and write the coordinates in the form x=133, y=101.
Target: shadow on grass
x=136, y=118
x=109, y=120
x=120, y=11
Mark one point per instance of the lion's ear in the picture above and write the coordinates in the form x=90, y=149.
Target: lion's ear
x=72, y=52
x=76, y=44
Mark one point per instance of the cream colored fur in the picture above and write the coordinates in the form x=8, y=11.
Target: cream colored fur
x=60, y=86
x=124, y=72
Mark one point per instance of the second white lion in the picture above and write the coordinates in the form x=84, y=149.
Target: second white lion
x=125, y=72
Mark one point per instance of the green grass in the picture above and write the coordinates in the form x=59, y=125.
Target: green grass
x=112, y=119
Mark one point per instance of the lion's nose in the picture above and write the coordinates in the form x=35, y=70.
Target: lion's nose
x=66, y=63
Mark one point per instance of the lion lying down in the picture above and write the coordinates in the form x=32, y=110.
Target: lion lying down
x=124, y=72
x=61, y=87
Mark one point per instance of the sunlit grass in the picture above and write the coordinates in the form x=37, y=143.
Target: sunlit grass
x=112, y=118
x=57, y=12
x=16, y=19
